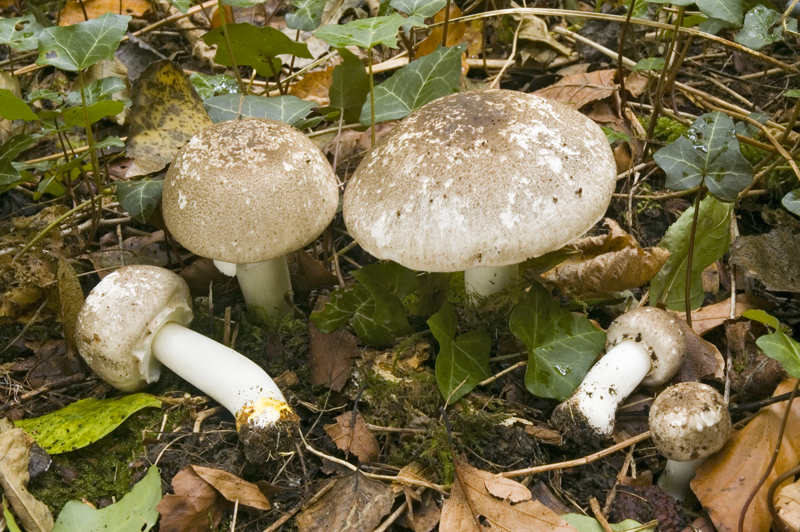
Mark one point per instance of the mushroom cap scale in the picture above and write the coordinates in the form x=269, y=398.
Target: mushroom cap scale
x=249, y=190
x=482, y=178
x=120, y=317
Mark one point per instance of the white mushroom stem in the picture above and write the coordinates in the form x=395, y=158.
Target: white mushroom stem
x=265, y=285
x=487, y=280
x=233, y=380
x=227, y=268
x=676, y=477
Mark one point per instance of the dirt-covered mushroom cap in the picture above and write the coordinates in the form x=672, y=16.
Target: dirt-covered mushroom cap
x=249, y=190
x=689, y=421
x=659, y=333
x=121, y=315
x=482, y=178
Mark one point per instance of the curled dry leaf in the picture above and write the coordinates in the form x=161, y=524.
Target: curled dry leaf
x=233, y=488
x=194, y=506
x=703, y=359
x=579, y=89
x=788, y=505
x=359, y=441
x=314, y=87
x=706, y=318
x=607, y=264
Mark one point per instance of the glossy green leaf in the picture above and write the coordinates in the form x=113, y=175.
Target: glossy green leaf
x=350, y=86
x=715, y=25
x=139, y=198
x=255, y=47
x=289, y=109
x=208, y=86
x=84, y=422
x=762, y=26
x=135, y=512
x=364, y=33
x=462, y=362
x=419, y=82
x=182, y=5
x=74, y=117
x=388, y=276
x=777, y=344
x=793, y=93
x=419, y=8
x=99, y=90
x=712, y=240
x=584, y=523
x=650, y=63
x=8, y=152
x=561, y=345
x=791, y=202
x=14, y=108
x=307, y=15
x=21, y=33
x=708, y=152
x=730, y=11
x=79, y=46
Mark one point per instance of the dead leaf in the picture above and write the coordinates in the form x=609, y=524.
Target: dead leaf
x=314, y=87
x=703, y=359
x=151, y=249
x=354, y=504
x=70, y=299
x=425, y=516
x=165, y=114
x=14, y=456
x=580, y=89
x=773, y=258
x=309, y=273
x=607, y=264
x=755, y=375
x=455, y=32
x=525, y=515
x=233, y=488
x=359, y=441
x=332, y=357
x=636, y=83
x=544, y=47
x=706, y=318
x=353, y=143
x=73, y=14
x=788, y=505
x=726, y=479
x=194, y=506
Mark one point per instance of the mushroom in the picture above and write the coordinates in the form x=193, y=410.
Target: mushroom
x=649, y=346
x=689, y=422
x=248, y=192
x=480, y=181
x=136, y=319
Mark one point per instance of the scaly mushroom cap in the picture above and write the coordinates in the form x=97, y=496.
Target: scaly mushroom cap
x=249, y=190
x=120, y=317
x=689, y=421
x=482, y=178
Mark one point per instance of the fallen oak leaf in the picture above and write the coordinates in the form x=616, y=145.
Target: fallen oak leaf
x=358, y=440
x=233, y=488
x=579, y=89
x=196, y=505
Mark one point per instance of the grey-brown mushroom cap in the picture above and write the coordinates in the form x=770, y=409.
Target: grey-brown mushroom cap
x=482, y=178
x=120, y=317
x=689, y=421
x=249, y=190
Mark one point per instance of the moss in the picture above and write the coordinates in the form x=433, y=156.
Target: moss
x=430, y=449
x=667, y=130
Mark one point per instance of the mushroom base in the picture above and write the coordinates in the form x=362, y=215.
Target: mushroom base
x=264, y=286
x=261, y=441
x=574, y=425
x=487, y=280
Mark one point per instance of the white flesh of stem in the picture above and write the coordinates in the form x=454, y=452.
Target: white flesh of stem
x=264, y=285
x=485, y=281
x=676, y=477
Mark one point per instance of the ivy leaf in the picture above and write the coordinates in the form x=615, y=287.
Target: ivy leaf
x=74, y=116
x=561, y=345
x=350, y=86
x=10, y=176
x=708, y=152
x=711, y=242
x=24, y=39
x=419, y=9
x=777, y=344
x=182, y=5
x=730, y=11
x=364, y=33
x=81, y=45
x=307, y=15
x=762, y=26
x=289, y=109
x=419, y=82
x=14, y=108
x=139, y=198
x=649, y=63
x=255, y=47
x=389, y=276
x=462, y=362
x=99, y=90
x=208, y=86
x=791, y=202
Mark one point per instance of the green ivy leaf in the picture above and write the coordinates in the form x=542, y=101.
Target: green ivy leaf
x=73, y=117
x=561, y=345
x=793, y=93
x=708, y=152
x=289, y=109
x=462, y=362
x=135, y=512
x=791, y=202
x=307, y=15
x=419, y=9
x=364, y=33
x=762, y=26
x=777, y=344
x=25, y=38
x=14, y=108
x=182, y=5
x=255, y=47
x=139, y=198
x=650, y=63
x=584, y=523
x=79, y=46
x=350, y=86
x=711, y=242
x=99, y=90
x=419, y=82
x=84, y=422
x=390, y=277
x=208, y=86
x=10, y=176
x=613, y=136
x=730, y=11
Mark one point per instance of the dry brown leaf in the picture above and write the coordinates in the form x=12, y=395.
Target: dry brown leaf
x=580, y=89
x=703, y=359
x=773, y=258
x=788, y=505
x=726, y=479
x=455, y=33
x=354, y=504
x=73, y=14
x=165, y=114
x=636, y=83
x=332, y=357
x=233, y=488
x=194, y=506
x=14, y=456
x=309, y=273
x=756, y=375
x=607, y=264
x=706, y=318
x=359, y=441
x=528, y=515
x=70, y=299
x=314, y=87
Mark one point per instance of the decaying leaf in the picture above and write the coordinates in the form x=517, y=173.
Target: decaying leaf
x=233, y=488
x=165, y=114
x=726, y=479
x=772, y=258
x=755, y=374
x=542, y=47
x=308, y=273
x=332, y=357
x=354, y=504
x=579, y=89
x=358, y=440
x=455, y=32
x=314, y=86
x=607, y=264
x=788, y=505
x=703, y=359
x=74, y=14
x=526, y=514
x=14, y=455
x=70, y=298
x=196, y=505
x=706, y=318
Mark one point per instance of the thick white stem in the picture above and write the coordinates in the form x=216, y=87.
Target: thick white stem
x=227, y=268
x=488, y=280
x=676, y=478
x=264, y=285
x=233, y=380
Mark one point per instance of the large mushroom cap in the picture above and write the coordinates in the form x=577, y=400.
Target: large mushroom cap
x=249, y=190
x=120, y=317
x=483, y=178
